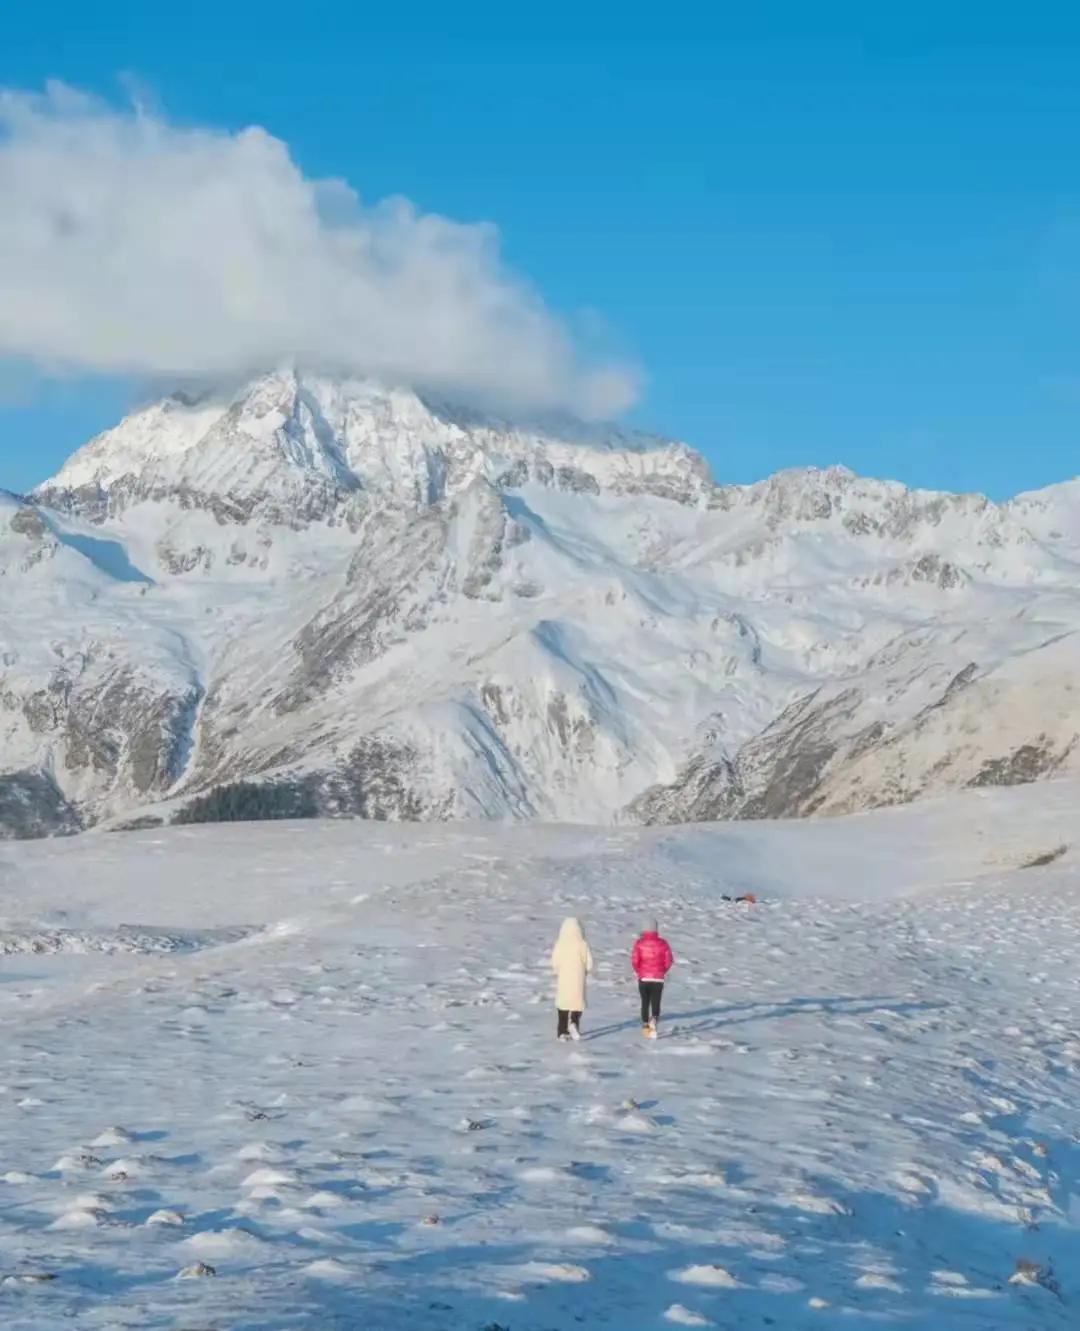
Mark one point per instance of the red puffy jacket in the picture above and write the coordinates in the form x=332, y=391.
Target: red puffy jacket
x=652, y=957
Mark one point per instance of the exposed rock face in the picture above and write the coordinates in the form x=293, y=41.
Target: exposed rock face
x=844, y=749
x=118, y=727
x=393, y=608
x=32, y=806
x=29, y=522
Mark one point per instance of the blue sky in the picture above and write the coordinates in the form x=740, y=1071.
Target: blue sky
x=827, y=234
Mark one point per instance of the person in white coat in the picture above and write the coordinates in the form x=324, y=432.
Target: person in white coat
x=571, y=961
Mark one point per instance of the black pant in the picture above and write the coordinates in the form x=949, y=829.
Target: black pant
x=565, y=1018
x=651, y=992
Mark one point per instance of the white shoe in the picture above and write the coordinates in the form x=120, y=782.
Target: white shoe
x=563, y=1039
x=575, y=1033
x=654, y=1034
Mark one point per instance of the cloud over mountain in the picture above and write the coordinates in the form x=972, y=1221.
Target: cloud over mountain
x=132, y=245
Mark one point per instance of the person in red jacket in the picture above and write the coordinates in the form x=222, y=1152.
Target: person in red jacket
x=652, y=958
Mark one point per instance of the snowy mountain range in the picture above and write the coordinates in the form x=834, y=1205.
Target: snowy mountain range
x=384, y=605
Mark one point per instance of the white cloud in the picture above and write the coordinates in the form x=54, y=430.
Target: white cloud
x=130, y=245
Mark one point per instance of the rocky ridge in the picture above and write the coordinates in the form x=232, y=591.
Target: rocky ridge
x=379, y=605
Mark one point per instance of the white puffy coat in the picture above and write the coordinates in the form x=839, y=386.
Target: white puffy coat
x=571, y=961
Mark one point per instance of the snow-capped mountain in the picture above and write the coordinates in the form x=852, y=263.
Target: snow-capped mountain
x=385, y=605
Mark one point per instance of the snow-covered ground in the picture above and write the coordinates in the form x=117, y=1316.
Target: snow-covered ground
x=304, y=1075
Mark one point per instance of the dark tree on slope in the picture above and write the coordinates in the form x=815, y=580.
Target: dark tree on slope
x=249, y=801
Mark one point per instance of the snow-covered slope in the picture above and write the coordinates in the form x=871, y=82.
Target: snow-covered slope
x=392, y=607
x=281, y=1076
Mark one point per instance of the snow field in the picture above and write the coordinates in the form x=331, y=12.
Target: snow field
x=862, y=1111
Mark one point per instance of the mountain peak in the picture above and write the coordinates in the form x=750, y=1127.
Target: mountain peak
x=380, y=603
x=286, y=431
